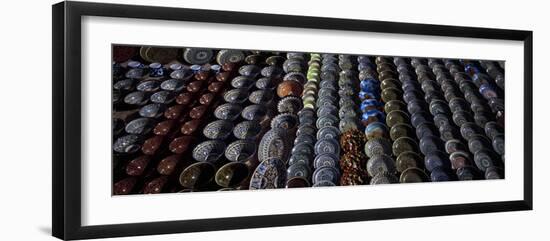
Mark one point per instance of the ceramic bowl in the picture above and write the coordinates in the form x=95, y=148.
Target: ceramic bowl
x=261, y=97
x=378, y=146
x=168, y=165
x=242, y=82
x=247, y=130
x=125, y=84
x=124, y=186
x=436, y=159
x=296, y=182
x=275, y=60
x=136, y=98
x=236, y=96
x=127, y=144
x=376, y=130
x=295, y=76
x=220, y=129
x=163, y=97
x=209, y=151
x=228, y=111
x=460, y=159
x=254, y=58
x=148, y=86
x=384, y=178
x=139, y=126
x=272, y=71
x=172, y=85
x=181, y=74
x=469, y=129
x=326, y=173
x=254, y=112
x=197, y=175
x=134, y=74
x=379, y=164
x=408, y=159
x=478, y=142
x=289, y=88
x=180, y=144
x=430, y=144
x=285, y=121
x=232, y=174
x=137, y=166
x=266, y=83
x=403, y=144
x=401, y=130
x=467, y=173
x=152, y=110
x=396, y=117
x=249, y=70
x=240, y=151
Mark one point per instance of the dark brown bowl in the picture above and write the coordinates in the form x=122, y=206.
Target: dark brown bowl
x=232, y=174
x=197, y=175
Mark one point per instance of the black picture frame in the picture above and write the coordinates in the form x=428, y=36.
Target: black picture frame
x=66, y=47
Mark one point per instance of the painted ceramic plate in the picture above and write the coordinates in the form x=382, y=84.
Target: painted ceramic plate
x=326, y=159
x=330, y=132
x=327, y=146
x=326, y=173
x=269, y=174
x=274, y=144
x=298, y=170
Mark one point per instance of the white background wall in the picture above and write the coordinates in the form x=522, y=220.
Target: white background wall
x=25, y=148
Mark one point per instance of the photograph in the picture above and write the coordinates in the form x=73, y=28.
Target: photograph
x=196, y=119
x=178, y=119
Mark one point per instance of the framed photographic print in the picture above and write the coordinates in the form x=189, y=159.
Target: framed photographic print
x=170, y=120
